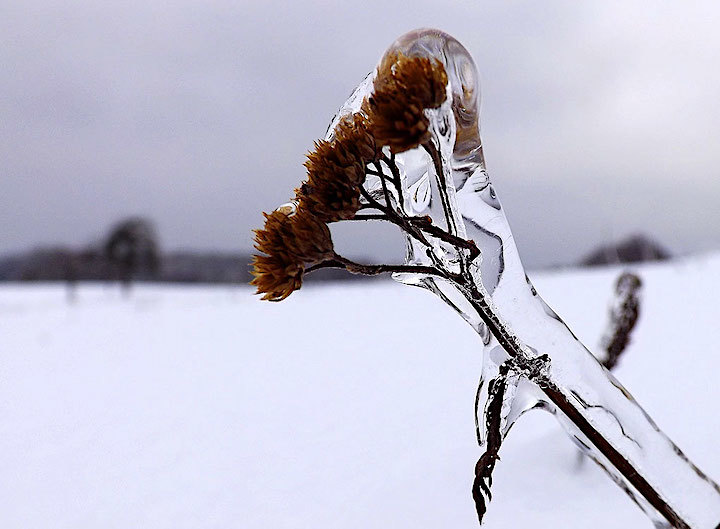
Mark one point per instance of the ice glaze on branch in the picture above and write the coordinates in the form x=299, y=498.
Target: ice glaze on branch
x=494, y=295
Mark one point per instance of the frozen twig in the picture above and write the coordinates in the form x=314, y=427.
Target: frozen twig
x=493, y=440
x=623, y=317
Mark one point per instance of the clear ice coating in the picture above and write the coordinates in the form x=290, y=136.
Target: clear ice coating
x=550, y=368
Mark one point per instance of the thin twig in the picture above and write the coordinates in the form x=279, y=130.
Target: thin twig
x=426, y=225
x=493, y=440
x=374, y=204
x=442, y=185
x=383, y=183
x=372, y=270
x=445, y=197
x=365, y=207
x=390, y=162
x=407, y=224
x=379, y=216
x=404, y=224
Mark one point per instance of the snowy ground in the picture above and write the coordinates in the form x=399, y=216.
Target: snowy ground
x=347, y=406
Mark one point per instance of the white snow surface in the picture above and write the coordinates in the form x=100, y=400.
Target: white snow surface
x=346, y=406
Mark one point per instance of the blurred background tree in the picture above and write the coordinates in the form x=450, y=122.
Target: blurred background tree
x=133, y=251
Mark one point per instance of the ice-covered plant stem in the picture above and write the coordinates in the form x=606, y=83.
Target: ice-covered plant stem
x=532, y=367
x=405, y=149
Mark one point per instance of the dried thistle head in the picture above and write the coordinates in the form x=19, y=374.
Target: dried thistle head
x=276, y=276
x=353, y=133
x=403, y=88
x=308, y=238
x=289, y=242
x=329, y=199
x=423, y=79
x=334, y=160
x=336, y=170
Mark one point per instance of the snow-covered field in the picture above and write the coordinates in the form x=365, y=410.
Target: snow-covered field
x=346, y=406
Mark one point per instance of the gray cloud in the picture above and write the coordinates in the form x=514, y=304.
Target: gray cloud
x=598, y=119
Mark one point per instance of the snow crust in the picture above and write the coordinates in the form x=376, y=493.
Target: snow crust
x=189, y=407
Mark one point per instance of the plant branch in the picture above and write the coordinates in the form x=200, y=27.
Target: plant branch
x=383, y=183
x=403, y=222
x=508, y=341
x=442, y=185
x=374, y=204
x=494, y=438
x=379, y=216
x=372, y=270
x=390, y=162
x=427, y=226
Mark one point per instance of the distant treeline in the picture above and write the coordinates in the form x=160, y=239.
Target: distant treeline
x=633, y=249
x=181, y=267
x=130, y=252
x=60, y=264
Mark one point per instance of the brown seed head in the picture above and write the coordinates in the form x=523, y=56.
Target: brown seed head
x=290, y=242
x=328, y=198
x=308, y=239
x=403, y=88
x=336, y=170
x=276, y=276
x=353, y=133
x=333, y=161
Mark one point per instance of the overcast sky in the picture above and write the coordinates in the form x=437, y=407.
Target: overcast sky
x=599, y=118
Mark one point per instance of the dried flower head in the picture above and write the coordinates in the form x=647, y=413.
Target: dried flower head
x=307, y=238
x=329, y=199
x=276, y=276
x=289, y=242
x=353, y=133
x=336, y=170
x=403, y=88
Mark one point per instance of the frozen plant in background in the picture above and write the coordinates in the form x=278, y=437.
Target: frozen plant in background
x=405, y=148
x=624, y=313
x=623, y=316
